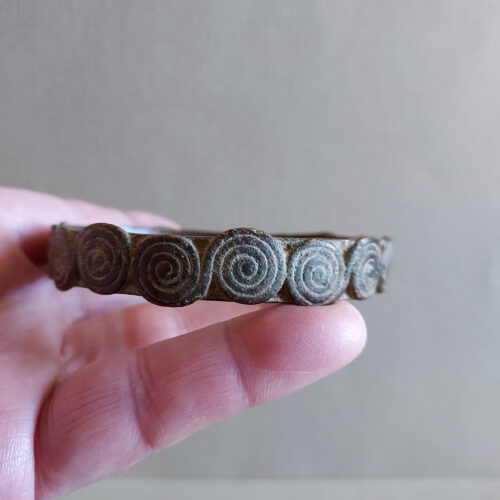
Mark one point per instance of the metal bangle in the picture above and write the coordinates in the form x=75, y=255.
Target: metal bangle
x=176, y=268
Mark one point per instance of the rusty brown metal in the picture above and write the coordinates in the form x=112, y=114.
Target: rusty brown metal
x=245, y=265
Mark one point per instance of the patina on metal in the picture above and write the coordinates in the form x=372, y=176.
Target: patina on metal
x=175, y=268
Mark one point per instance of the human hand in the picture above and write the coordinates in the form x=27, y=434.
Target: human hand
x=91, y=384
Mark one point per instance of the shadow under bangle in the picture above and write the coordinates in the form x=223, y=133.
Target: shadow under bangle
x=175, y=268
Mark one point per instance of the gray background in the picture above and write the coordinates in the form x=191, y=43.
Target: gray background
x=357, y=117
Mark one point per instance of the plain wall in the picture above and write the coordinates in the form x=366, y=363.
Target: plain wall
x=349, y=116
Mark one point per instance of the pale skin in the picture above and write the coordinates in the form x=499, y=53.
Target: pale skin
x=91, y=384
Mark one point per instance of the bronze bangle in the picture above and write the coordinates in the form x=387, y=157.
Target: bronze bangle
x=176, y=268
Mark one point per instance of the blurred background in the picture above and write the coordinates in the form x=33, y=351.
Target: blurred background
x=356, y=117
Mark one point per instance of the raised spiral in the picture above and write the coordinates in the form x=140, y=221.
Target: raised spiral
x=365, y=267
x=249, y=265
x=166, y=270
x=62, y=263
x=103, y=257
x=316, y=273
x=385, y=260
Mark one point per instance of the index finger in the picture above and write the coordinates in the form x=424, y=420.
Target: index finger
x=27, y=216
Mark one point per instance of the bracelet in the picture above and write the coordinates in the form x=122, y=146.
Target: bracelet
x=176, y=268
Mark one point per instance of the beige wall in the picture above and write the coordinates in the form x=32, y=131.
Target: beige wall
x=351, y=116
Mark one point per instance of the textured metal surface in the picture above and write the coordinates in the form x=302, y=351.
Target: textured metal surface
x=174, y=268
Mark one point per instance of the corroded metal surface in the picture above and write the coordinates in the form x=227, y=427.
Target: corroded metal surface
x=176, y=268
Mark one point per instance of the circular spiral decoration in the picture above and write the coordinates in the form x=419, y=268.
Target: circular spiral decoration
x=62, y=264
x=103, y=257
x=365, y=267
x=166, y=270
x=250, y=266
x=316, y=273
x=385, y=259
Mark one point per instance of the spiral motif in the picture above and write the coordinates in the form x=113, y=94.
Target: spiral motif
x=103, y=257
x=385, y=259
x=62, y=264
x=249, y=265
x=316, y=273
x=166, y=270
x=365, y=267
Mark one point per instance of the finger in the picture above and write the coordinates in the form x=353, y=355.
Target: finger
x=113, y=412
x=31, y=211
x=31, y=214
x=138, y=326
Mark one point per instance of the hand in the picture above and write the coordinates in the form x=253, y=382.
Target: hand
x=91, y=384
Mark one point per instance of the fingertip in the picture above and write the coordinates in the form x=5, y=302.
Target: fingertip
x=150, y=219
x=303, y=343
x=348, y=330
